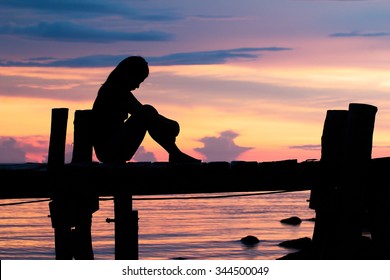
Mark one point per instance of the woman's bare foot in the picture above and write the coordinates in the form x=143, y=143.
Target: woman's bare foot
x=182, y=158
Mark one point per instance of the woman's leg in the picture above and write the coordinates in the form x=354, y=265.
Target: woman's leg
x=133, y=134
x=164, y=132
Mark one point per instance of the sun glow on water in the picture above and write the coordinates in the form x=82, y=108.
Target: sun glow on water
x=169, y=229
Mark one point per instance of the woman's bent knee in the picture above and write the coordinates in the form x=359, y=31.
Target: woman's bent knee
x=149, y=110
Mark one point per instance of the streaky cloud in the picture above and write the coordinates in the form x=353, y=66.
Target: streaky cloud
x=333, y=0
x=318, y=147
x=360, y=34
x=218, y=18
x=210, y=57
x=306, y=147
x=184, y=58
x=381, y=146
x=93, y=8
x=66, y=31
x=83, y=61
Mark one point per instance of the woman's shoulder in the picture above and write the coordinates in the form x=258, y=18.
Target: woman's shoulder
x=112, y=91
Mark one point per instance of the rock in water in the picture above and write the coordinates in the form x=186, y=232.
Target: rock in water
x=300, y=243
x=250, y=240
x=292, y=221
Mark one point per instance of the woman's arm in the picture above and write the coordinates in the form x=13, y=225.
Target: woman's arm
x=133, y=104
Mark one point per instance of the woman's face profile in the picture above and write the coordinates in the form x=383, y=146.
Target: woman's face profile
x=134, y=83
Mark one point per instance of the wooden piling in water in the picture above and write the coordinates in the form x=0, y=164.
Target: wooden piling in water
x=86, y=201
x=324, y=194
x=72, y=203
x=82, y=141
x=59, y=122
x=354, y=177
x=56, y=160
x=126, y=220
x=338, y=197
x=378, y=208
x=126, y=227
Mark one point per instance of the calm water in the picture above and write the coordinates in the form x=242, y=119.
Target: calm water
x=168, y=229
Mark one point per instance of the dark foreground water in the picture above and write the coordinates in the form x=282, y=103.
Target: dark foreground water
x=194, y=229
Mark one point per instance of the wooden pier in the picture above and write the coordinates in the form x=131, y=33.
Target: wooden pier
x=34, y=180
x=339, y=187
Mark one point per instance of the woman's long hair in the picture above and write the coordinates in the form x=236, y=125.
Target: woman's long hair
x=132, y=67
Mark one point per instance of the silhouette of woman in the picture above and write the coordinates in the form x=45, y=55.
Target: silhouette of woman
x=116, y=136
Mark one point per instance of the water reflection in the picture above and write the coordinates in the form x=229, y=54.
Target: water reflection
x=169, y=229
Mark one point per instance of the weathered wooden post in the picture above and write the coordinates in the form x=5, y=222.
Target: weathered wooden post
x=82, y=142
x=338, y=197
x=126, y=220
x=59, y=122
x=86, y=201
x=378, y=207
x=357, y=157
x=56, y=157
x=324, y=195
x=72, y=203
x=126, y=227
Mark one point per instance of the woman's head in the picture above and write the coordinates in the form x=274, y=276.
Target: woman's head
x=129, y=73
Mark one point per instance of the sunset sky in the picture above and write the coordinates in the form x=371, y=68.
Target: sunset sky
x=246, y=80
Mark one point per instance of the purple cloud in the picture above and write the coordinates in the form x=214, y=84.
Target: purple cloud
x=67, y=31
x=11, y=151
x=360, y=34
x=306, y=147
x=143, y=155
x=91, y=8
x=182, y=58
x=221, y=148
